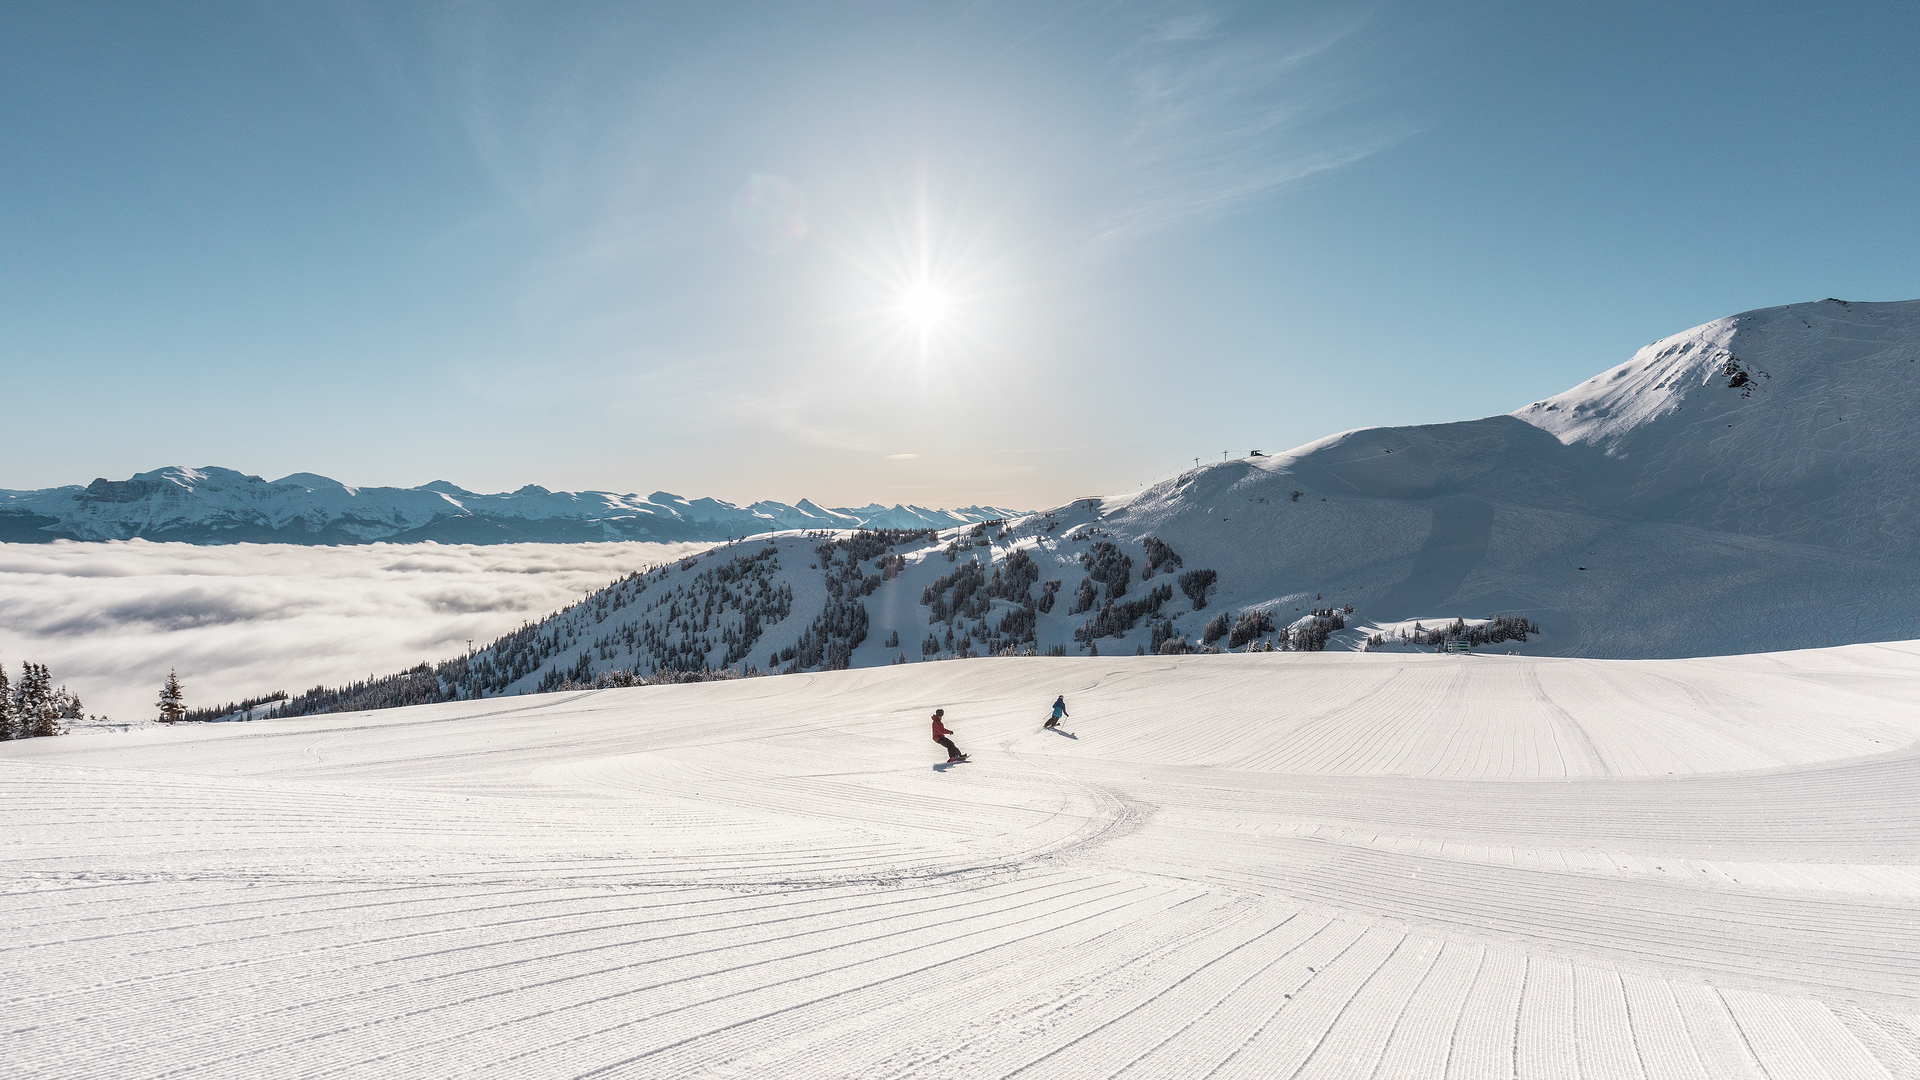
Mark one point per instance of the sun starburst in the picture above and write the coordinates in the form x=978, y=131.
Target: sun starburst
x=924, y=305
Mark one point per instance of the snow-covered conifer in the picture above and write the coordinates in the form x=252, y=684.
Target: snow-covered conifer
x=63, y=704
x=33, y=702
x=173, y=699
x=1195, y=584
x=1085, y=597
x=1250, y=625
x=1159, y=553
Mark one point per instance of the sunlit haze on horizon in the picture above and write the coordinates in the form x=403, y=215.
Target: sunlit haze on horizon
x=934, y=254
x=242, y=620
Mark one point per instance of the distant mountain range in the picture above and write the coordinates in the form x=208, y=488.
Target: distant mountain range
x=221, y=506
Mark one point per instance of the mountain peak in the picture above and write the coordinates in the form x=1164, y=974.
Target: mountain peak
x=1793, y=367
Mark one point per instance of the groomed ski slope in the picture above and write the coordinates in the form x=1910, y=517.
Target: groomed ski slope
x=1267, y=865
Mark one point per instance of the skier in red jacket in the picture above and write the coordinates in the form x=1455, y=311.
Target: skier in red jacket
x=940, y=735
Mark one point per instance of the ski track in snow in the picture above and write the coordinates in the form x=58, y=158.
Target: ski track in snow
x=1269, y=865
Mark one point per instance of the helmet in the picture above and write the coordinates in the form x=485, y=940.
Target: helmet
x=939, y=712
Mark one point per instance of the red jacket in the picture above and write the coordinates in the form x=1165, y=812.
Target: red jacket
x=939, y=729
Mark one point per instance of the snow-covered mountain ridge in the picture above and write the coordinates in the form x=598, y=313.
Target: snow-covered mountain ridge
x=1750, y=484
x=217, y=506
x=1795, y=423
x=1746, y=486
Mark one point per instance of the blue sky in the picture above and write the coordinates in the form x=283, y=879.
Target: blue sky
x=945, y=253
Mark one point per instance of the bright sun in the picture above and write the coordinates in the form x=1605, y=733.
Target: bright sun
x=924, y=306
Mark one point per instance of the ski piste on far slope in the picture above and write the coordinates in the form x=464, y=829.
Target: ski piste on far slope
x=221, y=506
x=1745, y=486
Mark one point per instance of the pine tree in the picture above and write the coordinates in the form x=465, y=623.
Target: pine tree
x=173, y=699
x=33, y=701
x=65, y=706
x=1196, y=583
x=32, y=708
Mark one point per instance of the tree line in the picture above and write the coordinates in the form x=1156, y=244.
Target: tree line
x=32, y=708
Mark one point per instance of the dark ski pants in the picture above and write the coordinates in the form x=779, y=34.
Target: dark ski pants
x=952, y=750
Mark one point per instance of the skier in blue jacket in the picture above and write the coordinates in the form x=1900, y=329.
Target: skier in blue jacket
x=1059, y=710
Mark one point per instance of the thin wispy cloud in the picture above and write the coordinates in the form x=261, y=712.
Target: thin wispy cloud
x=1227, y=114
x=111, y=619
x=994, y=157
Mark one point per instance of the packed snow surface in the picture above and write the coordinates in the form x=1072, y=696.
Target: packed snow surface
x=1273, y=865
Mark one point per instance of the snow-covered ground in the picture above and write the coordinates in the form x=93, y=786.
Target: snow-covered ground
x=1273, y=865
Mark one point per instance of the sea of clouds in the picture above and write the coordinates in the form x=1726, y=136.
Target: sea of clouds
x=241, y=620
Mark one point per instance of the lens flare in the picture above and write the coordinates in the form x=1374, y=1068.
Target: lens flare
x=924, y=305
x=924, y=279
